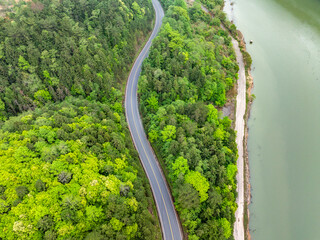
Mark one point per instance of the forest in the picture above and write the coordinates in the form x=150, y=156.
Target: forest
x=53, y=49
x=69, y=172
x=184, y=81
x=68, y=168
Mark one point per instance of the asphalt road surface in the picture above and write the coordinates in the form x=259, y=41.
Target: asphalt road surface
x=168, y=217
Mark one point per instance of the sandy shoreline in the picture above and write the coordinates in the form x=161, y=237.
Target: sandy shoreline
x=245, y=180
x=241, y=225
x=247, y=185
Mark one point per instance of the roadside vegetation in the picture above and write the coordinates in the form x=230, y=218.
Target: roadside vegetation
x=190, y=68
x=68, y=169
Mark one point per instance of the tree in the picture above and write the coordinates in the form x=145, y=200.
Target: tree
x=22, y=191
x=4, y=206
x=71, y=202
x=2, y=189
x=40, y=186
x=2, y=108
x=95, y=235
x=231, y=171
x=188, y=197
x=45, y=223
x=64, y=177
x=69, y=215
x=42, y=96
x=225, y=224
x=153, y=135
x=23, y=64
x=94, y=214
x=116, y=224
x=200, y=183
x=140, y=12
x=180, y=166
x=124, y=190
x=212, y=115
x=16, y=202
x=153, y=103
x=50, y=235
x=168, y=133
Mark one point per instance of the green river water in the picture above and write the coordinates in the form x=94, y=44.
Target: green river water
x=284, y=127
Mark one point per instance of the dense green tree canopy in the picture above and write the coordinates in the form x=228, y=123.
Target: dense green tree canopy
x=68, y=169
x=68, y=172
x=53, y=49
x=190, y=68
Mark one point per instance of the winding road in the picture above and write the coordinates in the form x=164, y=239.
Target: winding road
x=169, y=220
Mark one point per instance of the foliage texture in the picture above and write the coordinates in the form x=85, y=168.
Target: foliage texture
x=68, y=172
x=53, y=49
x=67, y=167
x=190, y=68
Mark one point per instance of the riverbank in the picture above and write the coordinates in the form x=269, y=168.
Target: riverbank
x=245, y=180
x=247, y=185
x=250, y=98
x=243, y=104
x=284, y=133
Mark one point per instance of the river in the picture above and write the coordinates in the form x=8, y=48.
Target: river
x=284, y=127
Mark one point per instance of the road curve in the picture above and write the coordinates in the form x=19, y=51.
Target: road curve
x=169, y=221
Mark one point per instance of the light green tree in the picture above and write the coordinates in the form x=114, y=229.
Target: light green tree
x=231, y=171
x=180, y=166
x=168, y=133
x=23, y=64
x=200, y=183
x=212, y=114
x=226, y=226
x=94, y=214
x=116, y=224
x=153, y=135
x=153, y=102
x=42, y=96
